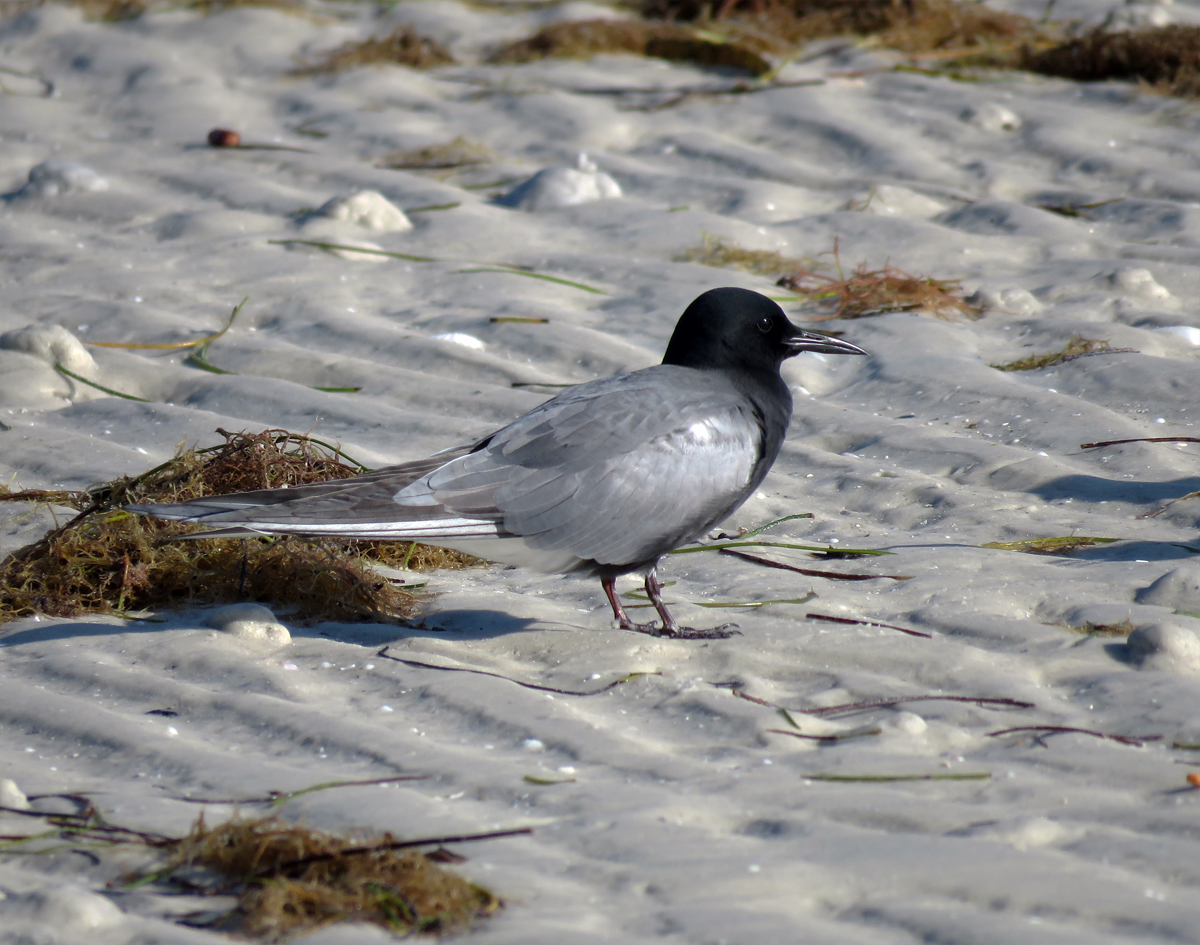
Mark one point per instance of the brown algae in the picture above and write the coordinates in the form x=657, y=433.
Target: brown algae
x=107, y=561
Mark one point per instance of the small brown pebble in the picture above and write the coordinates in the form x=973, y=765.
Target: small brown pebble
x=224, y=138
x=1193, y=778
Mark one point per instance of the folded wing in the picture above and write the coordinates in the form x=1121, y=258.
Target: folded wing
x=613, y=472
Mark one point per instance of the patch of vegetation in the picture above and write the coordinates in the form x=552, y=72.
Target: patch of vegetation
x=865, y=292
x=1166, y=58
x=108, y=561
x=1121, y=628
x=461, y=152
x=869, y=291
x=1077, y=347
x=1050, y=546
x=714, y=251
x=582, y=38
x=918, y=27
x=291, y=880
x=404, y=47
x=110, y=11
x=116, y=10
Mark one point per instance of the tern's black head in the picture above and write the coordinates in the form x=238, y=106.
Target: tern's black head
x=737, y=328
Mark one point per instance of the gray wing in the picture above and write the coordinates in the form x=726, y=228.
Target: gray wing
x=615, y=471
x=616, y=478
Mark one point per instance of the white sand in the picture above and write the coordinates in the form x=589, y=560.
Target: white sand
x=686, y=821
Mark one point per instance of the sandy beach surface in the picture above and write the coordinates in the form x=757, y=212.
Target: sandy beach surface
x=665, y=808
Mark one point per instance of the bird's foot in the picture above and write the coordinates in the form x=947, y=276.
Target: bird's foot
x=723, y=632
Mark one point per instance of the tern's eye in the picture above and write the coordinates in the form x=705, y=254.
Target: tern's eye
x=765, y=325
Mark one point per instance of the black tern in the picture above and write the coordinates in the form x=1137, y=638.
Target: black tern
x=604, y=479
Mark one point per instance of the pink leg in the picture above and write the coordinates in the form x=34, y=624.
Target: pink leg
x=654, y=591
x=669, y=627
x=610, y=591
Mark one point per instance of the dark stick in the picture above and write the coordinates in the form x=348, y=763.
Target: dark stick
x=809, y=572
x=981, y=701
x=869, y=623
x=852, y=707
x=826, y=738
x=1136, y=741
x=1142, y=439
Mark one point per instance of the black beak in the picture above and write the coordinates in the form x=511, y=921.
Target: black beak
x=800, y=340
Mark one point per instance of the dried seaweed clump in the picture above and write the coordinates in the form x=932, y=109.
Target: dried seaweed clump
x=1077, y=347
x=461, y=152
x=404, y=47
x=917, y=27
x=291, y=880
x=1167, y=58
x=714, y=251
x=1122, y=628
x=107, y=561
x=582, y=38
x=879, y=291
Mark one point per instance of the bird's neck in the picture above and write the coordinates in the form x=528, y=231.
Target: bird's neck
x=772, y=401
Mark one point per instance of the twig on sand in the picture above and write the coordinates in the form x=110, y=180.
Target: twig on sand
x=857, y=733
x=884, y=778
x=850, y=708
x=811, y=572
x=483, y=672
x=817, y=551
x=1141, y=439
x=868, y=623
x=1136, y=740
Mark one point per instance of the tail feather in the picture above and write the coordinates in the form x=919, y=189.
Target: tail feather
x=361, y=507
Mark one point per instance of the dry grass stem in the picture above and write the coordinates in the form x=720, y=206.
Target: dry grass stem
x=715, y=251
x=1050, y=546
x=291, y=880
x=1076, y=347
x=461, y=152
x=107, y=561
x=404, y=47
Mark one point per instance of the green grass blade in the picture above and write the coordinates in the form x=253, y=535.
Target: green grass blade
x=321, y=244
x=538, y=275
x=434, y=206
x=108, y=390
x=773, y=523
x=198, y=358
x=757, y=603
